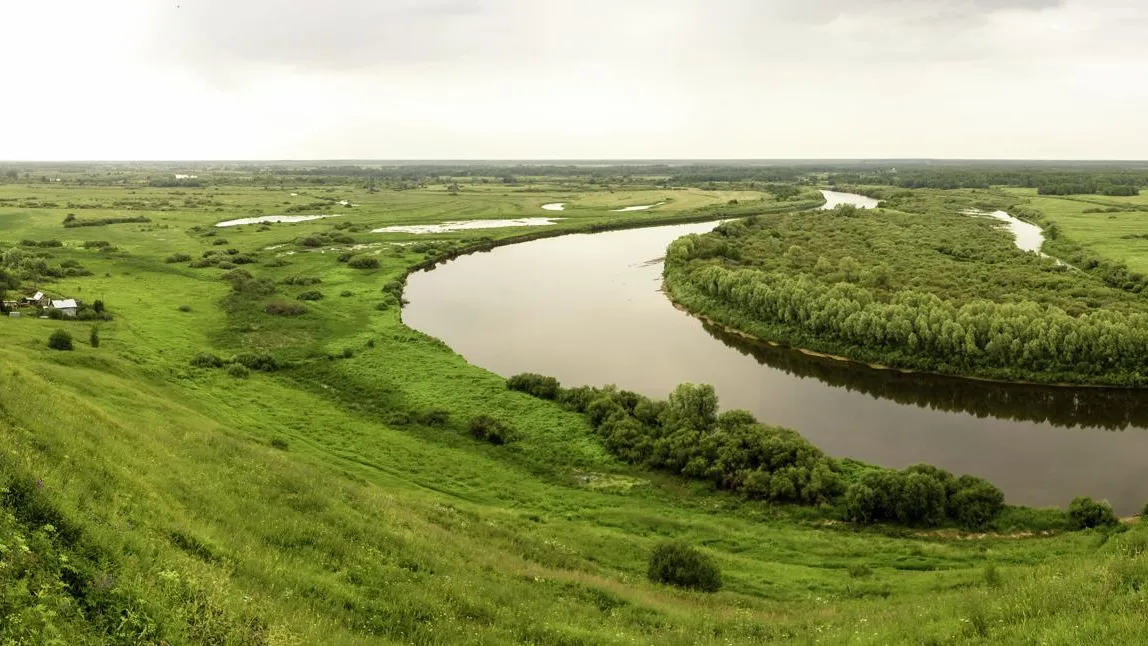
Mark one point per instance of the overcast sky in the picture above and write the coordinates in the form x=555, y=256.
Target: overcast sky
x=489, y=79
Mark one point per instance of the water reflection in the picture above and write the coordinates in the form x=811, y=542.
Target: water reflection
x=1095, y=408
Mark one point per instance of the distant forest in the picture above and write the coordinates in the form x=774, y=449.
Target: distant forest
x=1049, y=178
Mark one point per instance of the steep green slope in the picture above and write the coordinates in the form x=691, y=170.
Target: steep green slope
x=321, y=503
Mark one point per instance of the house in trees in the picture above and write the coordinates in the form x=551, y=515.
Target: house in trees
x=38, y=299
x=67, y=306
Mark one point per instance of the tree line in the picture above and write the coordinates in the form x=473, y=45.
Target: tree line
x=687, y=435
x=935, y=301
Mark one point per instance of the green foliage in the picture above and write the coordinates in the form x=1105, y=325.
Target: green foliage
x=238, y=370
x=485, y=427
x=534, y=384
x=435, y=417
x=177, y=257
x=261, y=362
x=206, y=360
x=681, y=565
x=71, y=221
x=302, y=281
x=60, y=340
x=180, y=522
x=1085, y=513
x=285, y=308
x=94, y=337
x=311, y=295
x=363, y=262
x=934, y=290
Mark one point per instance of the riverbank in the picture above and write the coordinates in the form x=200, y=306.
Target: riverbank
x=937, y=294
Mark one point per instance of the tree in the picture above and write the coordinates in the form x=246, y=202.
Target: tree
x=681, y=565
x=94, y=337
x=693, y=407
x=1084, y=513
x=60, y=340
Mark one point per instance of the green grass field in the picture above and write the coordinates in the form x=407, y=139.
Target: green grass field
x=1121, y=235
x=149, y=501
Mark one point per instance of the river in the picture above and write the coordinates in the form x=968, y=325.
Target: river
x=587, y=309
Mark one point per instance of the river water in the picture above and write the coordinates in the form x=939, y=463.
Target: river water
x=587, y=309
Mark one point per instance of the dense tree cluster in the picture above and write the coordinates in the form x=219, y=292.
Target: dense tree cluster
x=934, y=291
x=1100, y=179
x=922, y=495
x=686, y=435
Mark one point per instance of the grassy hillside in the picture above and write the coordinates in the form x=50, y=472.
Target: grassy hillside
x=146, y=500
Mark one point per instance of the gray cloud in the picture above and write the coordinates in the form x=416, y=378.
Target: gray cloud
x=583, y=78
x=351, y=34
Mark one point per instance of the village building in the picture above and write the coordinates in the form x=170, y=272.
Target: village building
x=67, y=306
x=39, y=299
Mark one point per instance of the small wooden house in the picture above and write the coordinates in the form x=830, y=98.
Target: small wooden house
x=68, y=306
x=39, y=299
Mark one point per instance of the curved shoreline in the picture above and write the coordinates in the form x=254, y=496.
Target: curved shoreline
x=621, y=225
x=678, y=305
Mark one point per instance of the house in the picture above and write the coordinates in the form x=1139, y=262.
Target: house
x=36, y=299
x=68, y=306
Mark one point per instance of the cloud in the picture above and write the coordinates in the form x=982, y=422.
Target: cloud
x=579, y=78
x=352, y=34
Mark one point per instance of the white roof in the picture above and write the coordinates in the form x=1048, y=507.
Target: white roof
x=37, y=296
x=67, y=303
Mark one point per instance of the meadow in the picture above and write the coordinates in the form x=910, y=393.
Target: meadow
x=1112, y=227
x=332, y=493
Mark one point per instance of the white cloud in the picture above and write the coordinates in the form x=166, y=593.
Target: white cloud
x=130, y=79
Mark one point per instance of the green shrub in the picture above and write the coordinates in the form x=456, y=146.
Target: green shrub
x=94, y=337
x=206, y=360
x=1084, y=513
x=284, y=308
x=346, y=293
x=302, y=281
x=1144, y=511
x=262, y=362
x=435, y=417
x=60, y=340
x=363, y=262
x=537, y=385
x=485, y=427
x=311, y=295
x=238, y=370
x=992, y=576
x=681, y=565
x=975, y=502
x=279, y=443
x=177, y=257
x=184, y=308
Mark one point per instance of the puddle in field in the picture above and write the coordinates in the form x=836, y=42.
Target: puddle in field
x=466, y=225
x=271, y=219
x=557, y=206
x=643, y=207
